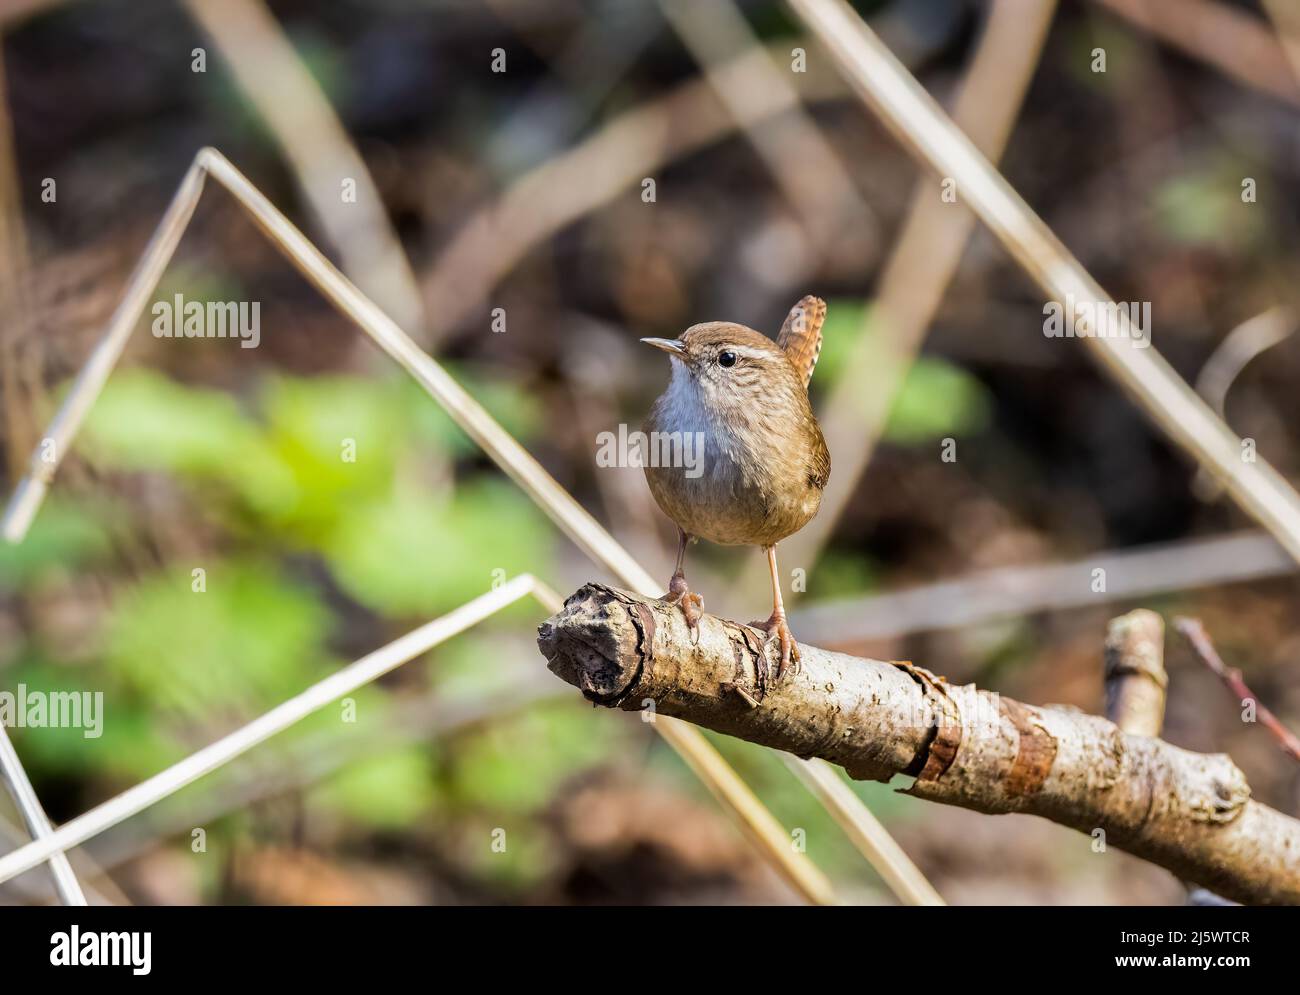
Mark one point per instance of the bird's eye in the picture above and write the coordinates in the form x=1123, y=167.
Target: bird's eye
x=727, y=358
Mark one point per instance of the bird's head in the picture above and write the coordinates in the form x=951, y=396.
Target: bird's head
x=726, y=363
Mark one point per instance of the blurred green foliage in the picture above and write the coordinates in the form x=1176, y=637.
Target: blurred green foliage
x=311, y=493
x=342, y=489
x=935, y=399
x=1203, y=206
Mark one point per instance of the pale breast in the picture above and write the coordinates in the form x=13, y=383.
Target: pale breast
x=744, y=487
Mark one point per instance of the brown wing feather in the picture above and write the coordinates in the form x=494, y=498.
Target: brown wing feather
x=801, y=335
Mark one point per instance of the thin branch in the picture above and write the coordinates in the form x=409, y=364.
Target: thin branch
x=1135, y=672
x=1188, y=812
x=1124, y=351
x=1194, y=632
x=1011, y=592
x=1238, y=348
x=1233, y=41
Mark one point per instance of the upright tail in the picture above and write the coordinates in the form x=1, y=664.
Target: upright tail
x=801, y=335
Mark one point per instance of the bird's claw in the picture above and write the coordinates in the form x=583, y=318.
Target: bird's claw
x=777, y=628
x=693, y=608
x=691, y=604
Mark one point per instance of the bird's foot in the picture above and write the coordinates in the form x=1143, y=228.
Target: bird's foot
x=776, y=628
x=691, y=604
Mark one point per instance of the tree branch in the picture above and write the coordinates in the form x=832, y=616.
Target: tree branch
x=1135, y=672
x=1190, y=813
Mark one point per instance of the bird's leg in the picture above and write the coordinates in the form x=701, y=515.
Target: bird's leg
x=776, y=627
x=692, y=604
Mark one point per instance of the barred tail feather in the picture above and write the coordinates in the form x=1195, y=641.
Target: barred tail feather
x=801, y=335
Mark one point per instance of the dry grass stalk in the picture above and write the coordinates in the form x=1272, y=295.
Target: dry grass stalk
x=284, y=93
x=505, y=451
x=924, y=259
x=921, y=125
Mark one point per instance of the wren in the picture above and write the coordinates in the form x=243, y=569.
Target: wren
x=765, y=463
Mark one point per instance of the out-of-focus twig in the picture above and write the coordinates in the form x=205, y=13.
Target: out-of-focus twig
x=1239, y=347
x=38, y=823
x=559, y=191
x=807, y=169
x=1194, y=632
x=1135, y=672
x=1285, y=16
x=1231, y=40
x=21, y=394
x=923, y=262
x=1010, y=592
x=868, y=834
x=283, y=91
x=607, y=39
x=1122, y=349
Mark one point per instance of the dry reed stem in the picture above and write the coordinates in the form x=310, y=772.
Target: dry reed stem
x=473, y=419
x=924, y=259
x=1148, y=379
x=66, y=885
x=804, y=165
x=1233, y=41
x=272, y=77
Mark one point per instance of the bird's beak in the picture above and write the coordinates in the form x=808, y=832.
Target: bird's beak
x=673, y=347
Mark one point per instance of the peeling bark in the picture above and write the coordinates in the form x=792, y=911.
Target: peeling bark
x=1188, y=812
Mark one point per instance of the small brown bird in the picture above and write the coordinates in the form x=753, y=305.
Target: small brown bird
x=764, y=463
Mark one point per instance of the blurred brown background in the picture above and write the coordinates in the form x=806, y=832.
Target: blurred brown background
x=522, y=190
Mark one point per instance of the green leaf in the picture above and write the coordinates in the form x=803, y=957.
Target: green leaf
x=417, y=555
x=516, y=764
x=516, y=409
x=937, y=399
x=389, y=791
x=247, y=642
x=63, y=537
x=145, y=421
x=1203, y=207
